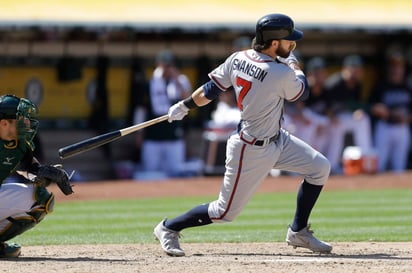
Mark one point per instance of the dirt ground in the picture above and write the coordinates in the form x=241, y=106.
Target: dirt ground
x=225, y=257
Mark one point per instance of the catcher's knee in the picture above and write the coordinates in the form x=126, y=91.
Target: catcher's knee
x=44, y=204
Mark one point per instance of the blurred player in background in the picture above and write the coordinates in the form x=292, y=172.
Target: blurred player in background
x=391, y=101
x=347, y=111
x=163, y=146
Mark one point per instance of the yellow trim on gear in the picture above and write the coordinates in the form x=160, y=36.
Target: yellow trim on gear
x=12, y=144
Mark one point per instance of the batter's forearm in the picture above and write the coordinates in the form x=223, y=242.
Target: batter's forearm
x=200, y=98
x=197, y=99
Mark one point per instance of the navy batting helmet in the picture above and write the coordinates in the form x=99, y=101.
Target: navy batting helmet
x=276, y=26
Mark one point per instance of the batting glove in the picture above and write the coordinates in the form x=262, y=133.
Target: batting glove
x=289, y=60
x=177, y=111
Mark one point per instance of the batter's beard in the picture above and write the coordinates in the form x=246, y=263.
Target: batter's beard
x=281, y=52
x=284, y=53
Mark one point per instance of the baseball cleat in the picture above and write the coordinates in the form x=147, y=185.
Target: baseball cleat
x=9, y=250
x=169, y=240
x=304, y=238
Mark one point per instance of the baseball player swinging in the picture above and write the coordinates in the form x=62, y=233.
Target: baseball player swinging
x=23, y=205
x=263, y=77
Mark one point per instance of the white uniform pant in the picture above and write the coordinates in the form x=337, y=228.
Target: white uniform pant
x=166, y=157
x=248, y=165
x=392, y=145
x=313, y=133
x=15, y=200
x=359, y=126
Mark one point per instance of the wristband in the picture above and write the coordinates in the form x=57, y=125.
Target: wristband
x=190, y=103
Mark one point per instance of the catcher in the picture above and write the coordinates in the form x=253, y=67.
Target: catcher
x=23, y=205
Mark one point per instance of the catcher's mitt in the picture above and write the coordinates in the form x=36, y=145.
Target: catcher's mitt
x=48, y=174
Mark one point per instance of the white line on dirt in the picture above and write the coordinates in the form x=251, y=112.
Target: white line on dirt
x=304, y=260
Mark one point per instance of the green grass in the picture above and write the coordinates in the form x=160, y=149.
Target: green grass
x=381, y=215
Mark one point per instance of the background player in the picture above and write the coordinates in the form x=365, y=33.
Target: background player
x=263, y=78
x=391, y=104
x=347, y=111
x=22, y=206
x=162, y=145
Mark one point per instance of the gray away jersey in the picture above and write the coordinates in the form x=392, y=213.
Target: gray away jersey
x=261, y=85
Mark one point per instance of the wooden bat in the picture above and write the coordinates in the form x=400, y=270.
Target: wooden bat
x=97, y=141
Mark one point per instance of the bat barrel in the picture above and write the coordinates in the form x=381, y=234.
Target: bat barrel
x=97, y=141
x=88, y=144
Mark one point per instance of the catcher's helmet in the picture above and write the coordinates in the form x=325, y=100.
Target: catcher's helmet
x=8, y=106
x=12, y=107
x=276, y=26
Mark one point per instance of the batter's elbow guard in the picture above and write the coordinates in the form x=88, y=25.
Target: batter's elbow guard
x=306, y=88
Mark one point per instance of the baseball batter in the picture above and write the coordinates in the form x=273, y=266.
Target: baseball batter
x=263, y=77
x=22, y=205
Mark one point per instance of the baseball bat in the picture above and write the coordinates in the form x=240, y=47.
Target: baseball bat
x=97, y=141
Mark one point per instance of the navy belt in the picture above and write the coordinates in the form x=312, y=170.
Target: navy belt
x=258, y=142
x=261, y=142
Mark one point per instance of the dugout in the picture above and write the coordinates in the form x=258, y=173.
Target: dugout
x=52, y=57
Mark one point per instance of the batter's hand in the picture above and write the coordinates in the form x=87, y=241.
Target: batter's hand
x=291, y=60
x=177, y=111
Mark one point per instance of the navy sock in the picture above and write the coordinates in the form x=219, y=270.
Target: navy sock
x=306, y=199
x=198, y=216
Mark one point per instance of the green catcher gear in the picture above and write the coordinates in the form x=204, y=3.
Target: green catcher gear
x=24, y=111
x=44, y=204
x=9, y=250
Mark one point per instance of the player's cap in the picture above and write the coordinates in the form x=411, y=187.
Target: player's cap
x=276, y=26
x=242, y=43
x=166, y=57
x=315, y=63
x=353, y=61
x=396, y=57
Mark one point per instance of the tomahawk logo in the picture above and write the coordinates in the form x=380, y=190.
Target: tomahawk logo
x=8, y=160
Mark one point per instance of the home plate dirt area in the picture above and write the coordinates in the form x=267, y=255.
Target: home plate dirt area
x=362, y=257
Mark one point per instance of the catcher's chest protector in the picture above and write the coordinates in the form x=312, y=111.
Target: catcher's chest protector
x=11, y=154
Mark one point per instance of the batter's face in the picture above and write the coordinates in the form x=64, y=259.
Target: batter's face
x=285, y=47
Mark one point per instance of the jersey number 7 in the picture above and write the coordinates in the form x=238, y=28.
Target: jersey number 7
x=245, y=85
